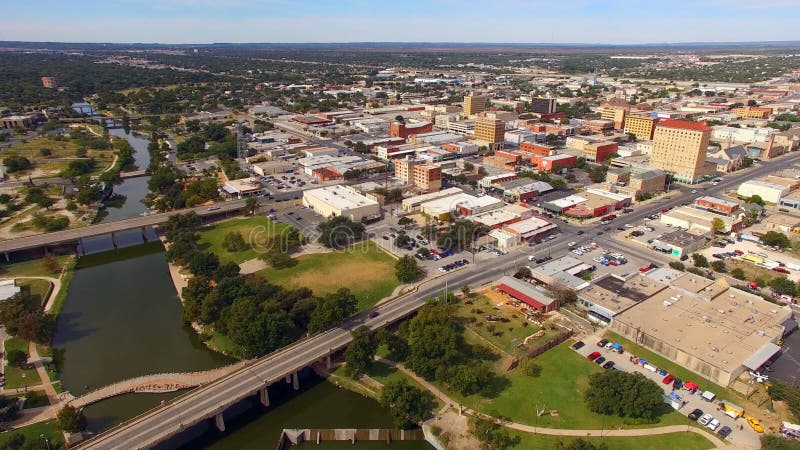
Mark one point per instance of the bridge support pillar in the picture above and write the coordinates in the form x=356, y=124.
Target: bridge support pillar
x=263, y=395
x=144, y=234
x=295, y=382
x=113, y=241
x=328, y=362
x=288, y=378
x=219, y=421
x=8, y=258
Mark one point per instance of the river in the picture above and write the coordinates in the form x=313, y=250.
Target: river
x=123, y=318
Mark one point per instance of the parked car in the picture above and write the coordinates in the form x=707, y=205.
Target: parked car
x=713, y=425
x=599, y=360
x=608, y=365
x=602, y=343
x=677, y=384
x=577, y=345
x=694, y=415
x=594, y=355
x=755, y=424
x=668, y=379
x=724, y=432
x=705, y=419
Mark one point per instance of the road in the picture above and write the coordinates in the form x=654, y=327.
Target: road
x=205, y=402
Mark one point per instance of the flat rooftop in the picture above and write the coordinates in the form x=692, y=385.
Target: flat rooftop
x=339, y=197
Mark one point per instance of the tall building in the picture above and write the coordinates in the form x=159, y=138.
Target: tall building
x=474, y=104
x=428, y=177
x=614, y=114
x=49, y=82
x=543, y=105
x=490, y=131
x=640, y=126
x=679, y=148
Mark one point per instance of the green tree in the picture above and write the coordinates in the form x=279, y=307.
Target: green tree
x=397, y=346
x=17, y=163
x=278, y=259
x=580, y=444
x=719, y=266
x=718, y=225
x=333, y=310
x=407, y=404
x=777, y=239
x=339, y=232
x=234, y=242
x=699, y=260
x=360, y=354
x=738, y=274
x=610, y=391
x=255, y=327
x=203, y=264
x=406, y=269
x=677, y=265
x=71, y=419
x=250, y=205
x=783, y=286
x=16, y=358
x=402, y=240
x=755, y=199
x=492, y=435
x=403, y=221
x=773, y=442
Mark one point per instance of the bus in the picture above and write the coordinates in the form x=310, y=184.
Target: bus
x=752, y=258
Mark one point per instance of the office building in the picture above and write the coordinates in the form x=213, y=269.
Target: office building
x=330, y=201
x=614, y=114
x=752, y=112
x=474, y=104
x=679, y=148
x=491, y=132
x=543, y=105
x=640, y=126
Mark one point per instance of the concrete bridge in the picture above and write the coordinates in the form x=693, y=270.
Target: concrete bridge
x=157, y=383
x=74, y=235
x=133, y=174
x=209, y=401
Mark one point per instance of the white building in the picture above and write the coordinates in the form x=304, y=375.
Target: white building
x=724, y=134
x=413, y=203
x=330, y=201
x=769, y=192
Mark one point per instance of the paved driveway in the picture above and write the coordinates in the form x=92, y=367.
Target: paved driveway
x=745, y=437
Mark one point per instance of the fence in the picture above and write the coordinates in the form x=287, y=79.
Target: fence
x=559, y=338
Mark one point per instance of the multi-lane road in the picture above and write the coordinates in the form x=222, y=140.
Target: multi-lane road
x=207, y=401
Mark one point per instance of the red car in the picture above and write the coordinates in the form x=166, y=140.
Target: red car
x=738, y=252
x=668, y=379
x=594, y=355
x=780, y=270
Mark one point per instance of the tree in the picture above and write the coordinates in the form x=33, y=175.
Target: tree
x=738, y=274
x=562, y=293
x=610, y=393
x=523, y=273
x=255, y=327
x=360, y=354
x=406, y=269
x=403, y=221
x=228, y=270
x=50, y=263
x=17, y=163
x=783, y=286
x=402, y=240
x=250, y=205
x=339, y=232
x=773, y=442
x=677, y=265
x=278, y=259
x=699, y=260
x=234, y=242
x=777, y=239
x=71, y=419
x=492, y=435
x=16, y=358
x=580, y=444
x=333, y=310
x=203, y=263
x=397, y=346
x=407, y=404
x=718, y=225
x=719, y=266
x=755, y=199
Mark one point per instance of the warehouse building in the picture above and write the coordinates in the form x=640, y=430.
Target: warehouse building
x=706, y=326
x=699, y=220
x=527, y=293
x=330, y=201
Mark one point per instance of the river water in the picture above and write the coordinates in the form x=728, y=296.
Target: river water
x=123, y=318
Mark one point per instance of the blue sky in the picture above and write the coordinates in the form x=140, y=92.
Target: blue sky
x=552, y=21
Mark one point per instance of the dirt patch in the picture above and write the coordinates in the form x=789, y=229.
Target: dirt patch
x=455, y=433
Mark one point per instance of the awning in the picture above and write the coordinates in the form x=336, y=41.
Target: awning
x=761, y=356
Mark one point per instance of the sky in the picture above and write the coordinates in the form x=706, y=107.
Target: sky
x=507, y=21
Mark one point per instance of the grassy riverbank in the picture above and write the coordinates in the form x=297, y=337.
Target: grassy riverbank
x=120, y=254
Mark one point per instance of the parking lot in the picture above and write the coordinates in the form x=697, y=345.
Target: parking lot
x=746, y=436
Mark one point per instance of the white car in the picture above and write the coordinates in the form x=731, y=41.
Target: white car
x=571, y=244
x=579, y=253
x=628, y=225
x=713, y=425
x=705, y=419
x=694, y=191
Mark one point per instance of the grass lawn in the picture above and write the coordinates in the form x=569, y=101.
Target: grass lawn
x=254, y=230
x=34, y=399
x=65, y=148
x=33, y=432
x=683, y=441
x=750, y=270
x=222, y=343
x=40, y=289
x=16, y=377
x=505, y=335
x=364, y=269
x=560, y=386
x=680, y=372
x=30, y=268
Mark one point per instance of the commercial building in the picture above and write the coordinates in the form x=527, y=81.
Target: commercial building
x=413, y=203
x=612, y=295
x=543, y=105
x=614, y=114
x=537, y=299
x=752, y=112
x=489, y=180
x=699, y=220
x=597, y=202
x=242, y=188
x=705, y=326
x=678, y=243
x=564, y=271
x=526, y=192
x=49, y=82
x=506, y=215
x=530, y=229
x=404, y=130
x=10, y=122
x=646, y=182
x=474, y=104
x=536, y=149
x=769, y=192
x=554, y=163
x=427, y=177
x=490, y=132
x=599, y=126
x=330, y=201
x=640, y=126
x=272, y=167
x=599, y=151
x=679, y=148
x=462, y=148
x=717, y=205
x=463, y=204
x=722, y=133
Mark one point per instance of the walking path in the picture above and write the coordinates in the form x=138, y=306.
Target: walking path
x=551, y=431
